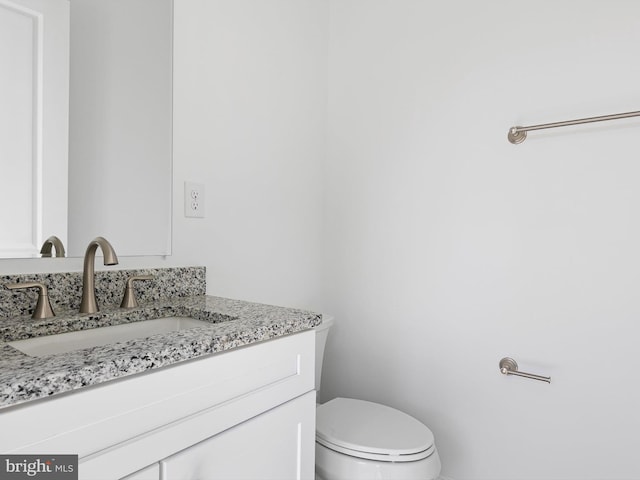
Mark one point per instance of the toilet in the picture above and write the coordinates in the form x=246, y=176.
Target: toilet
x=357, y=439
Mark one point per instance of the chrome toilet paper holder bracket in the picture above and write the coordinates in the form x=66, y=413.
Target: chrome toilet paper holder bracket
x=508, y=366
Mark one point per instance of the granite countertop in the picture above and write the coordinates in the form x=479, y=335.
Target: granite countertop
x=234, y=323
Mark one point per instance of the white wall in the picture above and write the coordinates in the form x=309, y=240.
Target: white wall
x=120, y=125
x=250, y=123
x=448, y=248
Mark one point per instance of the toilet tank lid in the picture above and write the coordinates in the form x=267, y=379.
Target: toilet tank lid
x=371, y=427
x=327, y=322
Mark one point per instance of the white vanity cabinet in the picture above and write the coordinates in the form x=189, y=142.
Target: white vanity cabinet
x=245, y=413
x=152, y=472
x=268, y=446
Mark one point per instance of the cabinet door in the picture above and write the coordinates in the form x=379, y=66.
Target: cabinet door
x=152, y=472
x=278, y=445
x=34, y=114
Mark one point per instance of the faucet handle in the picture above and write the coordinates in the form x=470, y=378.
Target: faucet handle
x=43, y=306
x=129, y=299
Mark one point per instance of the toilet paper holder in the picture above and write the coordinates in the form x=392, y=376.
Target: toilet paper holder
x=508, y=366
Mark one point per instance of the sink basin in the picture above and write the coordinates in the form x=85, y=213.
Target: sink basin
x=67, y=342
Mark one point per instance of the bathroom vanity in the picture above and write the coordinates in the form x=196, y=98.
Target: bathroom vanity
x=231, y=399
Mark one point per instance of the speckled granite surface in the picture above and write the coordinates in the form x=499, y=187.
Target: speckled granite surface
x=234, y=323
x=65, y=289
x=172, y=292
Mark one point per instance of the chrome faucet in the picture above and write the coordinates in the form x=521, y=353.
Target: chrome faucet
x=50, y=243
x=89, y=303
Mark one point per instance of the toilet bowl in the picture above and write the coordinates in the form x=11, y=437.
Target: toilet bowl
x=357, y=439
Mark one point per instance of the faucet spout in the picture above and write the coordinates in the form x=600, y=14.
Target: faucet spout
x=89, y=303
x=50, y=243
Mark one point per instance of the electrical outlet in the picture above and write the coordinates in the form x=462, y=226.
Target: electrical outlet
x=193, y=199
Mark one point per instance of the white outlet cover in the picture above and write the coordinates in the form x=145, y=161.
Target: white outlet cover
x=194, y=200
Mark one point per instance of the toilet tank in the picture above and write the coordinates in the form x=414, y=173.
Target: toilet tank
x=322, y=331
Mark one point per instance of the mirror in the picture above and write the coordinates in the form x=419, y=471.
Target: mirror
x=115, y=178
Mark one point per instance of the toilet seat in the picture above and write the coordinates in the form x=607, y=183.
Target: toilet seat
x=372, y=431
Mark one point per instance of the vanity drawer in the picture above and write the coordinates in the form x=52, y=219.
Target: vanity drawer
x=240, y=383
